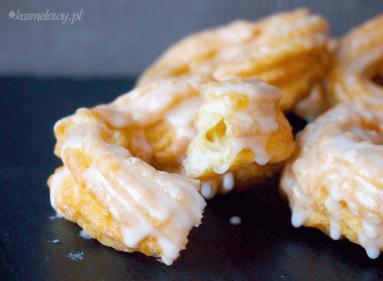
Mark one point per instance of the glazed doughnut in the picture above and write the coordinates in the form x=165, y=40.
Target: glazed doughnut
x=290, y=53
x=242, y=133
x=158, y=118
x=287, y=50
x=358, y=60
x=117, y=198
x=334, y=181
x=316, y=102
x=107, y=179
x=313, y=105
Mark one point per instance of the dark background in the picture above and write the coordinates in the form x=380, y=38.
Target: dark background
x=122, y=37
x=48, y=69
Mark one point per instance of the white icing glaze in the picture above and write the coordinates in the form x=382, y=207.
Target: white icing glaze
x=299, y=28
x=236, y=41
x=220, y=170
x=76, y=256
x=207, y=190
x=297, y=217
x=171, y=101
x=84, y=234
x=181, y=117
x=56, y=216
x=255, y=144
x=148, y=104
x=228, y=181
x=248, y=109
x=338, y=165
x=311, y=106
x=144, y=201
x=235, y=220
x=372, y=252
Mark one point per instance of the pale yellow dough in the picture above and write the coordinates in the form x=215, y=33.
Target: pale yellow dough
x=241, y=130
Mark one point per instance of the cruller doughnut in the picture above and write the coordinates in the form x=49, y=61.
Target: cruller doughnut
x=153, y=210
x=316, y=102
x=358, y=60
x=287, y=50
x=107, y=184
x=157, y=118
x=241, y=131
x=334, y=181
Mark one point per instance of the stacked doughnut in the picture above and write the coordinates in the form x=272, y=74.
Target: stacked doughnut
x=334, y=181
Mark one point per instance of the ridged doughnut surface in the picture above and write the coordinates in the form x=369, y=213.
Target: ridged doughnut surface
x=123, y=178
x=108, y=184
x=241, y=130
x=150, y=211
x=358, y=64
x=287, y=50
x=334, y=181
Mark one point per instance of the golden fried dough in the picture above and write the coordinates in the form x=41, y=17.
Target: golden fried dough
x=287, y=50
x=334, y=181
x=316, y=102
x=313, y=105
x=358, y=62
x=122, y=178
x=153, y=210
x=241, y=130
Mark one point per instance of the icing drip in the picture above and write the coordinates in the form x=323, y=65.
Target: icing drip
x=143, y=201
x=207, y=191
x=228, y=182
x=84, y=235
x=339, y=164
x=255, y=144
x=181, y=117
x=237, y=115
x=235, y=220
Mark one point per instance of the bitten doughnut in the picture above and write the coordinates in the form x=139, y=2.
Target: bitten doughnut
x=358, y=64
x=287, y=50
x=334, y=181
x=153, y=210
x=242, y=133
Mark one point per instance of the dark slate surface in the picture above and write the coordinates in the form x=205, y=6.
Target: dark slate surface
x=264, y=247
